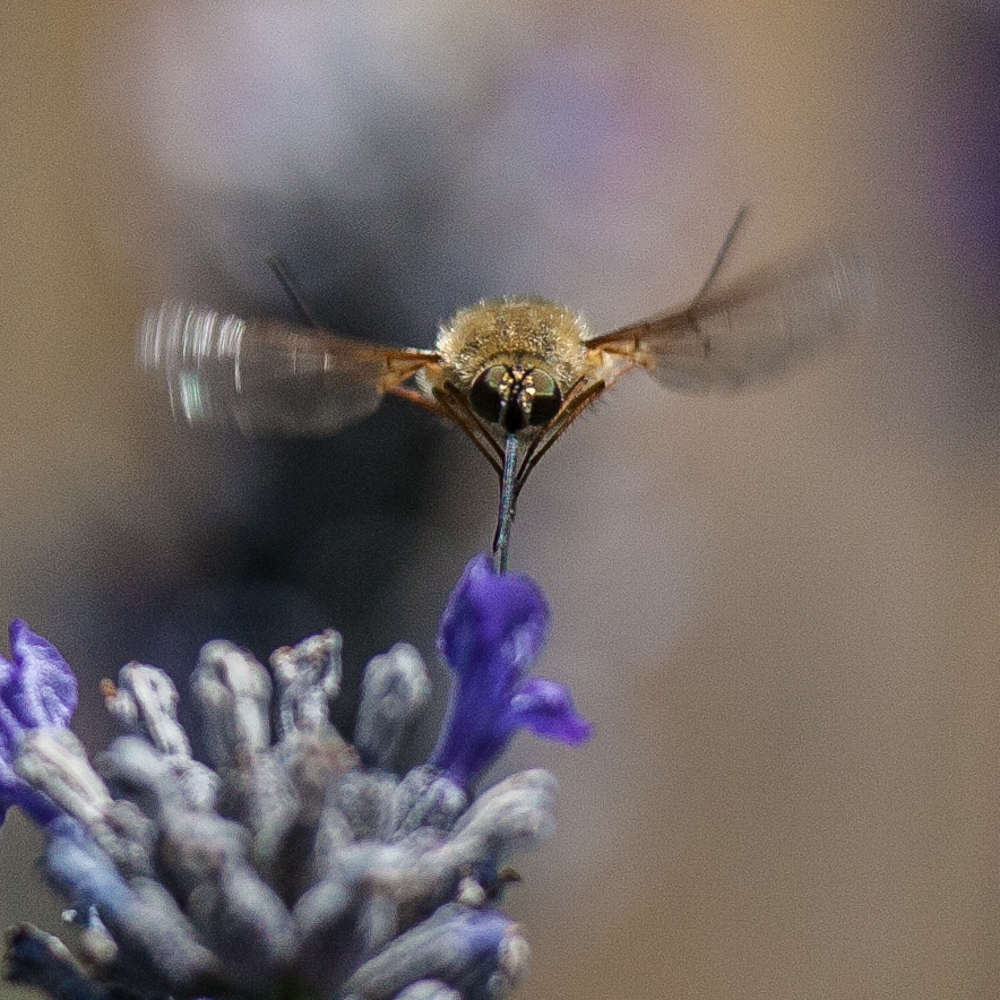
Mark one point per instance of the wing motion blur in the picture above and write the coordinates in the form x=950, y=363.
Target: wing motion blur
x=503, y=363
x=750, y=332
x=266, y=376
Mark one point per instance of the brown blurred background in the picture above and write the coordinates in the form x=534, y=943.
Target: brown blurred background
x=780, y=609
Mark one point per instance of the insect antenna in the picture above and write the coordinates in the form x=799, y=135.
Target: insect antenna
x=280, y=270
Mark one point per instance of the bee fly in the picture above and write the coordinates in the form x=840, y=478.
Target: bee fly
x=512, y=373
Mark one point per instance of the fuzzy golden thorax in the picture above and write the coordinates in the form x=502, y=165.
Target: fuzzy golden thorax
x=514, y=331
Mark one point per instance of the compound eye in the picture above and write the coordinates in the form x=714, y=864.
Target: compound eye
x=489, y=393
x=546, y=400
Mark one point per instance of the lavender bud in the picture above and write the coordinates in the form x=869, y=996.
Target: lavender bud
x=307, y=678
x=234, y=693
x=394, y=691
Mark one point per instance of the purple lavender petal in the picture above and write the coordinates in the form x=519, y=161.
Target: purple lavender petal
x=36, y=689
x=546, y=708
x=15, y=792
x=492, y=631
x=494, y=626
x=42, y=690
x=479, y=952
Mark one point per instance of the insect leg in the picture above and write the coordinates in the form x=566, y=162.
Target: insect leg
x=454, y=406
x=415, y=396
x=572, y=408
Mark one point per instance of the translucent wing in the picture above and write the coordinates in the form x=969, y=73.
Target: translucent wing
x=754, y=331
x=266, y=376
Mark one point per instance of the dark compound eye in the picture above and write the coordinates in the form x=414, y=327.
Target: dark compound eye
x=514, y=397
x=546, y=399
x=489, y=393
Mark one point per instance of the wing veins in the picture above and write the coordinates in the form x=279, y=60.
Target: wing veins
x=751, y=331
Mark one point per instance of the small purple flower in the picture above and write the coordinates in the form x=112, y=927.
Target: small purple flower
x=37, y=690
x=492, y=631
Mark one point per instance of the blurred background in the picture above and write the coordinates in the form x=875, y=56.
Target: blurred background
x=779, y=609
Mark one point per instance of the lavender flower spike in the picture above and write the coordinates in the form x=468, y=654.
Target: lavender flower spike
x=37, y=690
x=289, y=863
x=492, y=631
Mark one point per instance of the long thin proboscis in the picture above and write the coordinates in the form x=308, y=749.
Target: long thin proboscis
x=508, y=497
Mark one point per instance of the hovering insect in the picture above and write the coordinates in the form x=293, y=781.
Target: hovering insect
x=512, y=373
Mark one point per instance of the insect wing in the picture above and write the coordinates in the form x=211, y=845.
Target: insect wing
x=754, y=331
x=266, y=376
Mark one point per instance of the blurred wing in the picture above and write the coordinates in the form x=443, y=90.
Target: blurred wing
x=754, y=331
x=266, y=376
